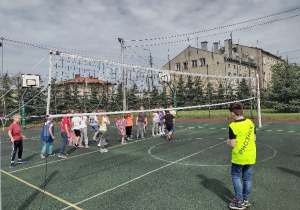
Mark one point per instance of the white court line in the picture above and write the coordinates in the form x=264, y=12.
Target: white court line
x=264, y=125
x=150, y=172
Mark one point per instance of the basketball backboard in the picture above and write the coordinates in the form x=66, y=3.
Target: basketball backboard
x=30, y=80
x=164, y=77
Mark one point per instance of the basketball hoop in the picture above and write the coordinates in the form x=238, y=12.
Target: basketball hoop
x=164, y=77
x=30, y=81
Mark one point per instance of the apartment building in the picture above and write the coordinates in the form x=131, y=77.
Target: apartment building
x=229, y=60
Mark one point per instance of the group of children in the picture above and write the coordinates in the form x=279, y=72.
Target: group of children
x=242, y=139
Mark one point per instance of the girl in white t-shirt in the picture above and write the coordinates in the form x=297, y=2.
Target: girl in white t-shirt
x=102, y=121
x=155, y=121
x=76, y=123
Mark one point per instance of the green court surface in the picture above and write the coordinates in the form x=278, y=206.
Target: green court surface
x=190, y=172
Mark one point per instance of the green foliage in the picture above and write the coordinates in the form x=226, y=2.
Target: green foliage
x=132, y=99
x=209, y=93
x=198, y=92
x=285, y=88
x=243, y=92
x=180, y=91
x=189, y=92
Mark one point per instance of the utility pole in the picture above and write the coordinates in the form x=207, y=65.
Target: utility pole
x=123, y=73
x=151, y=64
x=1, y=45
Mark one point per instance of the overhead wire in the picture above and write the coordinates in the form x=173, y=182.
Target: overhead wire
x=215, y=34
x=216, y=28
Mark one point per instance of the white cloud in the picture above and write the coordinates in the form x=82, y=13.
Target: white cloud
x=95, y=26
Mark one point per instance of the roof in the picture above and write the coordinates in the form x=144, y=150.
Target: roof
x=80, y=79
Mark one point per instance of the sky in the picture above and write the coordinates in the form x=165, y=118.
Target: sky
x=92, y=28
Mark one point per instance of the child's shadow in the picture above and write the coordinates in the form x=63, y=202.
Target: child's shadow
x=217, y=187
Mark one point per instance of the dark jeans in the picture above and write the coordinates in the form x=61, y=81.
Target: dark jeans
x=128, y=131
x=15, y=146
x=64, y=143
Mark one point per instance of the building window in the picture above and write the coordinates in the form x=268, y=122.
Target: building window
x=233, y=66
x=202, y=61
x=194, y=63
x=178, y=66
x=229, y=65
x=185, y=65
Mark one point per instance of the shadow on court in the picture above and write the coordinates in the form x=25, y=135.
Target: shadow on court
x=31, y=156
x=289, y=171
x=33, y=196
x=217, y=187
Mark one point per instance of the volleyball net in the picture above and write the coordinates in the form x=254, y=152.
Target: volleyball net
x=86, y=83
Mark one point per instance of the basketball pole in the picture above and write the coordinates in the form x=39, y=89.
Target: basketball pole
x=23, y=109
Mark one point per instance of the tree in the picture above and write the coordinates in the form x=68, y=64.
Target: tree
x=9, y=102
x=76, y=98
x=189, y=91
x=220, y=94
x=132, y=99
x=155, y=102
x=230, y=95
x=198, y=91
x=180, y=92
x=209, y=93
x=285, y=88
x=244, y=92
x=94, y=100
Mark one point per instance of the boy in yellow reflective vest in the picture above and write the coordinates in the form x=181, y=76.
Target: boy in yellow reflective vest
x=242, y=137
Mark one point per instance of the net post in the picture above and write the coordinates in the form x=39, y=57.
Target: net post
x=49, y=85
x=123, y=73
x=258, y=101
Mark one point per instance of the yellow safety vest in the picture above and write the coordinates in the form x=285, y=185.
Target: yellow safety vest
x=244, y=152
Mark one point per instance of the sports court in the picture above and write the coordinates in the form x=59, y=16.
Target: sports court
x=190, y=172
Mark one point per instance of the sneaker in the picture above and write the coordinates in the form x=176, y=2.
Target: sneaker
x=236, y=204
x=246, y=203
x=101, y=150
x=105, y=150
x=12, y=165
x=42, y=156
x=62, y=156
x=106, y=143
x=94, y=138
x=65, y=154
x=98, y=145
x=81, y=146
x=129, y=139
x=51, y=155
x=76, y=146
x=123, y=142
x=87, y=147
x=22, y=161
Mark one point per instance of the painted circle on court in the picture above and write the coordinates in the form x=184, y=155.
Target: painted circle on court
x=266, y=152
